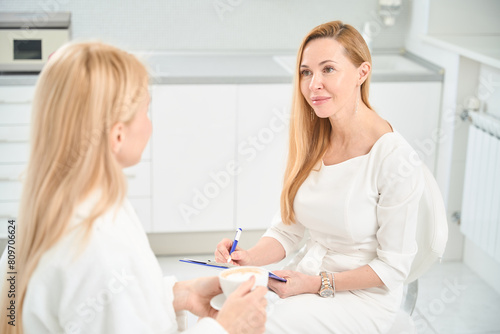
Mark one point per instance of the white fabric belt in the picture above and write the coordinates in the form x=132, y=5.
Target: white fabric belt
x=311, y=262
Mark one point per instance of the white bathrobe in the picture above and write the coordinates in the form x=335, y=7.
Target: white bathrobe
x=362, y=211
x=114, y=286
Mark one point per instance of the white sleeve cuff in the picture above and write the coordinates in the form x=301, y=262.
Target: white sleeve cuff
x=207, y=325
x=181, y=315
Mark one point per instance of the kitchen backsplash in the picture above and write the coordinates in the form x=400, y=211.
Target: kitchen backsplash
x=156, y=25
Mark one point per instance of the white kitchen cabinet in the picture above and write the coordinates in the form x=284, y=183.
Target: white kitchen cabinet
x=413, y=109
x=219, y=151
x=218, y=155
x=10, y=181
x=14, y=143
x=193, y=156
x=262, y=137
x=15, y=104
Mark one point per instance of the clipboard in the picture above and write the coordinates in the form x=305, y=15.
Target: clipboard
x=214, y=264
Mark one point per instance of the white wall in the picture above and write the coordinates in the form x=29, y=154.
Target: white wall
x=449, y=62
x=213, y=24
x=488, y=89
x=463, y=77
x=464, y=17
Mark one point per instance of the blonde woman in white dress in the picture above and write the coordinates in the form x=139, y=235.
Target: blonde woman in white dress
x=83, y=260
x=353, y=184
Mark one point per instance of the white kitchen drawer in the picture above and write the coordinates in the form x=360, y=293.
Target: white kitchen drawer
x=142, y=207
x=9, y=210
x=10, y=181
x=15, y=113
x=14, y=152
x=15, y=105
x=139, y=179
x=14, y=144
x=14, y=134
x=17, y=94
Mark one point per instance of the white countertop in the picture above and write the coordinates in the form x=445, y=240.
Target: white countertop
x=247, y=68
x=483, y=49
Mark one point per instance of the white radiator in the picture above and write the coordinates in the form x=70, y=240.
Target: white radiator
x=480, y=218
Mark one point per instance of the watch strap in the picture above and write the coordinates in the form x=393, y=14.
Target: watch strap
x=326, y=284
x=325, y=280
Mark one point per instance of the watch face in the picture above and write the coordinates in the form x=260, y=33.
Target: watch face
x=326, y=293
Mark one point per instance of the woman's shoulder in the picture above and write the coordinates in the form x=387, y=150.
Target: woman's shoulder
x=395, y=161
x=391, y=143
x=393, y=155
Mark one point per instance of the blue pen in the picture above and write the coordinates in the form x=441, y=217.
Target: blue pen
x=235, y=242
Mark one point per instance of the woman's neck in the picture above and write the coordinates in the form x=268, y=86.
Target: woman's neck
x=350, y=125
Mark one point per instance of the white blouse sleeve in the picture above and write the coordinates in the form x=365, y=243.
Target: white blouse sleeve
x=400, y=184
x=289, y=236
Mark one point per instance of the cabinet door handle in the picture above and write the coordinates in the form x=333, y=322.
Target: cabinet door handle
x=7, y=216
x=129, y=175
x=16, y=102
x=3, y=140
x=9, y=179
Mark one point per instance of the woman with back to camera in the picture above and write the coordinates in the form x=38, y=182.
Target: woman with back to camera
x=83, y=261
x=353, y=184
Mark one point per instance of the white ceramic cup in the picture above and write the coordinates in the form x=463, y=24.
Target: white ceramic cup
x=231, y=279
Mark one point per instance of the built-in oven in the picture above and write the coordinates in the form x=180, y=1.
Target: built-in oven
x=28, y=39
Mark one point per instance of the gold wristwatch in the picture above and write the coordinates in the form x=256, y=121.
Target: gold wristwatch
x=326, y=290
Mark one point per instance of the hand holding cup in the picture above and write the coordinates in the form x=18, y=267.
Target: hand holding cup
x=245, y=289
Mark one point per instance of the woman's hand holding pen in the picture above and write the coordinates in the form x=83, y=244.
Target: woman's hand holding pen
x=268, y=250
x=239, y=257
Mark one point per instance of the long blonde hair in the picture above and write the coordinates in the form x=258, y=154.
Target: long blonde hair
x=310, y=137
x=83, y=90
